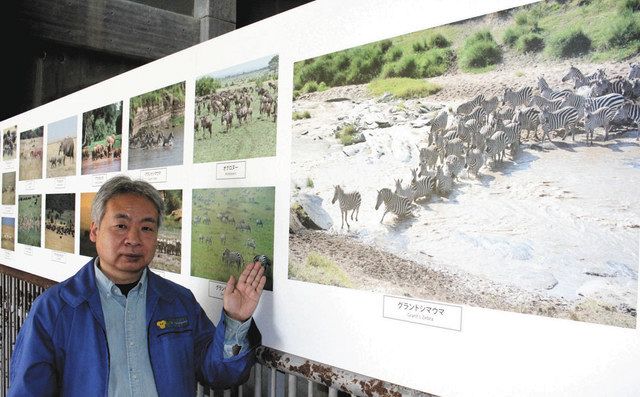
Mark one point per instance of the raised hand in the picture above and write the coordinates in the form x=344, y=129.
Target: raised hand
x=241, y=299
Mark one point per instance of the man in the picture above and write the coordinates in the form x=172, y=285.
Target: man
x=117, y=329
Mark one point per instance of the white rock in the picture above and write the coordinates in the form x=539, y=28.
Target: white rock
x=312, y=205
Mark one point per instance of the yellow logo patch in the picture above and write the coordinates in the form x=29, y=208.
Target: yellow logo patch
x=162, y=324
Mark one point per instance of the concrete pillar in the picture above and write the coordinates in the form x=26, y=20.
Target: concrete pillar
x=217, y=17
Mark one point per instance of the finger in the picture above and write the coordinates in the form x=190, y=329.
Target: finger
x=231, y=285
x=263, y=281
x=245, y=273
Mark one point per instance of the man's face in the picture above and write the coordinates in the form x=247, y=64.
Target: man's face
x=126, y=237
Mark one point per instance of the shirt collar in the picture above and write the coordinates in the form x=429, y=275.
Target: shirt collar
x=109, y=287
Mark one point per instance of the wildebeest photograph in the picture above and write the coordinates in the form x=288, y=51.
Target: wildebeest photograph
x=102, y=139
x=229, y=228
x=9, y=144
x=156, y=128
x=61, y=147
x=59, y=222
x=169, y=249
x=30, y=219
x=235, y=112
x=9, y=188
x=87, y=247
x=491, y=162
x=8, y=233
x=31, y=146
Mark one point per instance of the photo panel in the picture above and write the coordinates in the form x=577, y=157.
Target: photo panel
x=8, y=233
x=31, y=146
x=30, y=220
x=87, y=247
x=9, y=144
x=8, y=188
x=230, y=226
x=235, y=112
x=102, y=139
x=156, y=128
x=468, y=190
x=169, y=249
x=61, y=147
x=60, y=218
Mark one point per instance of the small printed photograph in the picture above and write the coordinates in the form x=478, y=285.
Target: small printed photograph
x=156, y=128
x=9, y=143
x=31, y=142
x=8, y=233
x=30, y=219
x=102, y=139
x=87, y=247
x=9, y=188
x=60, y=222
x=169, y=250
x=229, y=228
x=61, y=145
x=235, y=112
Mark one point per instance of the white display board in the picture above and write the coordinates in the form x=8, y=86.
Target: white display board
x=437, y=346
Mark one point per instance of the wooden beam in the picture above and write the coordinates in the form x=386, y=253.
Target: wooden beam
x=118, y=27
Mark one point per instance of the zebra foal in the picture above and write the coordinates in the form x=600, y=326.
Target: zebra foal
x=347, y=202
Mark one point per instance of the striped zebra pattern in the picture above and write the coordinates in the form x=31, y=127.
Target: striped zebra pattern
x=490, y=104
x=565, y=118
x=544, y=103
x=632, y=111
x=617, y=86
x=454, y=165
x=347, y=202
x=496, y=145
x=400, y=206
x=477, y=113
x=547, y=92
x=474, y=160
x=575, y=101
x=232, y=258
x=454, y=146
x=422, y=187
x=438, y=123
x=521, y=97
x=467, y=107
x=580, y=79
x=634, y=71
x=429, y=156
x=606, y=101
x=600, y=118
x=528, y=119
x=444, y=183
x=403, y=191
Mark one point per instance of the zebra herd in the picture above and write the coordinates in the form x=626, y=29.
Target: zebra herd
x=487, y=128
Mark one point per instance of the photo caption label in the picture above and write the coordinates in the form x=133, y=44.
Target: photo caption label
x=423, y=312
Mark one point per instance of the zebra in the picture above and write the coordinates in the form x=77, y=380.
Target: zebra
x=564, y=118
x=617, y=86
x=580, y=79
x=544, y=103
x=429, y=156
x=401, y=206
x=528, y=119
x=403, y=191
x=454, y=146
x=547, y=92
x=489, y=105
x=600, y=118
x=473, y=161
x=347, y=202
x=467, y=129
x=444, y=182
x=477, y=113
x=632, y=111
x=576, y=101
x=438, y=124
x=467, y=107
x=251, y=243
x=232, y=258
x=454, y=165
x=517, y=98
x=610, y=100
x=512, y=134
x=496, y=145
x=422, y=187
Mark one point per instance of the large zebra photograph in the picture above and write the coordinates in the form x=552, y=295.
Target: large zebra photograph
x=492, y=162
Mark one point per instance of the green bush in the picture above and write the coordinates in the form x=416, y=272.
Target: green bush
x=512, y=34
x=438, y=41
x=310, y=86
x=631, y=5
x=419, y=46
x=623, y=30
x=479, y=51
x=393, y=55
x=346, y=134
x=404, y=88
x=435, y=62
x=530, y=42
x=569, y=42
x=301, y=115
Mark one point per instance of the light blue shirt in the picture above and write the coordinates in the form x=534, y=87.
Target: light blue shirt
x=130, y=372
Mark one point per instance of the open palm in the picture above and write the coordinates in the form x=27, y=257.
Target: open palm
x=241, y=299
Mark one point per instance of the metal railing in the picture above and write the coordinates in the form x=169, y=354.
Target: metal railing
x=276, y=374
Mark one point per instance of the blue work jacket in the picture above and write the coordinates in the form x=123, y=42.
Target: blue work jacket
x=62, y=348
